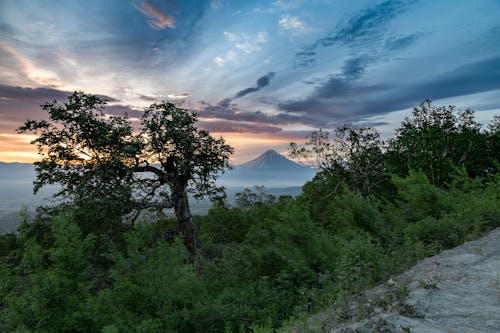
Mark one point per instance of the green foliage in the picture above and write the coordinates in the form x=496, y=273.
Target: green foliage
x=354, y=157
x=419, y=199
x=54, y=282
x=224, y=224
x=360, y=263
x=8, y=244
x=353, y=211
x=111, y=174
x=444, y=232
x=171, y=139
x=438, y=139
x=253, y=197
x=155, y=290
x=264, y=260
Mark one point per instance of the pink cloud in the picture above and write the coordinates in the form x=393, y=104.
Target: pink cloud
x=158, y=19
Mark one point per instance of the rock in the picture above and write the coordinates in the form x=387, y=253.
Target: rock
x=455, y=291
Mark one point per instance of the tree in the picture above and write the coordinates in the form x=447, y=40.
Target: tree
x=354, y=156
x=187, y=157
x=102, y=164
x=435, y=140
x=252, y=197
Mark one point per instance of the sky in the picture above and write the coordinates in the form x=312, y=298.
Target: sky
x=259, y=73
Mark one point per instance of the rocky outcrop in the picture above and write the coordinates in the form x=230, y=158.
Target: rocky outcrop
x=455, y=291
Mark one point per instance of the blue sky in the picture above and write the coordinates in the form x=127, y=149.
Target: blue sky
x=260, y=73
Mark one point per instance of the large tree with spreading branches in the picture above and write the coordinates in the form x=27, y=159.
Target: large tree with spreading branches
x=102, y=163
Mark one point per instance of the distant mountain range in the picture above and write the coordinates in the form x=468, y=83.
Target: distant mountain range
x=16, y=171
x=277, y=173
x=270, y=169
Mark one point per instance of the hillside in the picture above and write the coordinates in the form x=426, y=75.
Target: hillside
x=457, y=291
x=278, y=174
x=264, y=264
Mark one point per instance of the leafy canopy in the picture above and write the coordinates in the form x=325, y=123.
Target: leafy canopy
x=99, y=161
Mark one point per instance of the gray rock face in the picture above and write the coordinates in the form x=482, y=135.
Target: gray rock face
x=458, y=290
x=453, y=292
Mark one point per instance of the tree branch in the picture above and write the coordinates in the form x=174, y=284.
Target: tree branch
x=157, y=205
x=149, y=168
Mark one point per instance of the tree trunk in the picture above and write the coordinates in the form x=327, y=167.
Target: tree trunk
x=185, y=220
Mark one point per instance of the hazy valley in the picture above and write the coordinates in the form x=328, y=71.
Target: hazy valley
x=278, y=174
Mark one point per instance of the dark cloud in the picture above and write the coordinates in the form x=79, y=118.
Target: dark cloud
x=6, y=28
x=227, y=111
x=311, y=110
x=340, y=100
x=353, y=68
x=367, y=26
x=264, y=80
x=148, y=98
x=237, y=127
x=224, y=110
x=30, y=95
x=122, y=110
x=261, y=83
x=244, y=92
x=367, y=22
x=468, y=79
x=372, y=123
x=17, y=104
x=340, y=87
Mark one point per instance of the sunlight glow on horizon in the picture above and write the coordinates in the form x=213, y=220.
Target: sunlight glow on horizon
x=260, y=73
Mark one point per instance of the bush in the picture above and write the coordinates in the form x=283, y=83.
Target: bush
x=444, y=232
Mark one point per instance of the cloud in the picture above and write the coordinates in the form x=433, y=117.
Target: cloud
x=292, y=23
x=341, y=85
x=225, y=110
x=245, y=43
x=340, y=99
x=471, y=78
x=367, y=26
x=178, y=96
x=222, y=60
x=279, y=6
x=261, y=83
x=367, y=23
x=158, y=19
x=236, y=127
x=148, y=98
x=219, y=61
x=231, y=37
x=216, y=4
x=287, y=5
x=401, y=42
x=17, y=104
x=353, y=68
x=20, y=64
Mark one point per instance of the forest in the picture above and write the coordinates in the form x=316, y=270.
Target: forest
x=99, y=262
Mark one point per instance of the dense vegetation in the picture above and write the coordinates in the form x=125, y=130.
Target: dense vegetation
x=373, y=210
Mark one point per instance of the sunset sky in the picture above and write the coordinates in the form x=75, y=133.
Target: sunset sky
x=260, y=73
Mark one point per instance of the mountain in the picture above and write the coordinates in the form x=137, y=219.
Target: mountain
x=17, y=172
x=277, y=173
x=269, y=161
x=270, y=169
x=16, y=193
